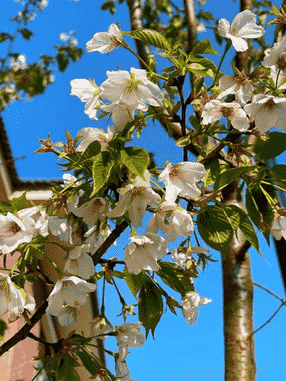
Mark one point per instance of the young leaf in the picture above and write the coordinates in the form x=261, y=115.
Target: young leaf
x=150, y=306
x=135, y=282
x=174, y=277
x=150, y=37
x=204, y=47
x=231, y=175
x=136, y=160
x=101, y=168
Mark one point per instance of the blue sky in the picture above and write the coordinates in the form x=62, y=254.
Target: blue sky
x=180, y=352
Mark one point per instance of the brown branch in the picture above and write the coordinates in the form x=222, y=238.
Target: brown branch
x=24, y=331
x=109, y=241
x=191, y=23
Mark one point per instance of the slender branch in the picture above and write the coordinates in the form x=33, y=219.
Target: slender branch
x=269, y=292
x=24, y=331
x=109, y=241
x=269, y=320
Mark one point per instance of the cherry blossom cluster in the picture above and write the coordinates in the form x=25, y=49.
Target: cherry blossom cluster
x=121, y=95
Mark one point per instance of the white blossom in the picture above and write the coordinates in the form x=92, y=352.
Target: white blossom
x=79, y=262
x=190, y=304
x=15, y=230
x=20, y=63
x=243, y=26
x=92, y=210
x=275, y=58
x=96, y=236
x=43, y=4
x=129, y=335
x=60, y=227
x=181, y=178
x=143, y=252
x=64, y=36
x=180, y=256
x=279, y=78
x=71, y=291
x=90, y=134
x=278, y=228
x=12, y=300
x=131, y=88
x=214, y=110
x=122, y=371
x=268, y=111
x=105, y=42
x=180, y=222
x=239, y=85
x=122, y=113
x=135, y=199
x=88, y=92
x=67, y=315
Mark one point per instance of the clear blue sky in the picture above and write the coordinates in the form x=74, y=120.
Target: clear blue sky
x=180, y=352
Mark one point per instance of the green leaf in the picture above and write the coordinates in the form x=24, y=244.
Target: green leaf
x=230, y=176
x=91, y=151
x=174, y=276
x=239, y=219
x=252, y=208
x=278, y=172
x=101, y=168
x=19, y=203
x=274, y=146
x=89, y=362
x=150, y=306
x=214, y=228
x=6, y=207
x=136, y=160
x=150, y=37
x=204, y=47
x=135, y=282
x=212, y=173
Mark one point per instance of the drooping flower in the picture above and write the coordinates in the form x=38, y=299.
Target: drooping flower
x=180, y=222
x=12, y=300
x=239, y=85
x=214, y=110
x=135, y=199
x=79, y=262
x=89, y=93
x=143, y=252
x=96, y=236
x=122, y=113
x=243, y=26
x=278, y=228
x=90, y=134
x=181, y=178
x=92, y=210
x=190, y=304
x=67, y=315
x=71, y=291
x=105, y=42
x=60, y=227
x=129, y=335
x=131, y=88
x=180, y=256
x=268, y=111
x=275, y=58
